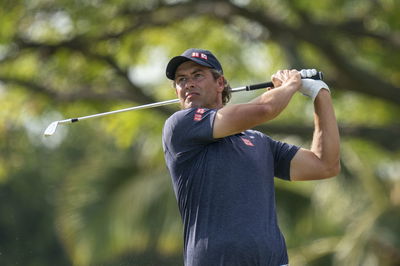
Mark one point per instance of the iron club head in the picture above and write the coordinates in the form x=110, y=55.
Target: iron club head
x=51, y=129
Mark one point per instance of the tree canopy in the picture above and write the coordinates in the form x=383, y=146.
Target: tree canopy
x=98, y=193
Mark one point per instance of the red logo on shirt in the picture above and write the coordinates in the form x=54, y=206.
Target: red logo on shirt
x=247, y=142
x=197, y=117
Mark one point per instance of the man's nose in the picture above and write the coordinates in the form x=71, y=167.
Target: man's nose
x=190, y=82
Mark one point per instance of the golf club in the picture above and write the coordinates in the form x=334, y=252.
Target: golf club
x=51, y=129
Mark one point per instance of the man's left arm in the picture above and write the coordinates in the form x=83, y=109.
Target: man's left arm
x=323, y=159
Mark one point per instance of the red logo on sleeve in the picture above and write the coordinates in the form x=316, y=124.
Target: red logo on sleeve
x=197, y=117
x=200, y=110
x=199, y=114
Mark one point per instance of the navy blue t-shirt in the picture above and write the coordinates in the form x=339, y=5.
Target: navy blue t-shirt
x=225, y=191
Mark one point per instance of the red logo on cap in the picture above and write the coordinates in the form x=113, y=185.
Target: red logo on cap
x=200, y=55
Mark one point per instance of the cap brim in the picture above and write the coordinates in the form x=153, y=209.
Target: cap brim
x=175, y=62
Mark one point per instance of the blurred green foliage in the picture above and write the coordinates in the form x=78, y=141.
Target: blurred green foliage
x=98, y=193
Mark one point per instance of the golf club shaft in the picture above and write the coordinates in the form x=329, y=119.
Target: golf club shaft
x=53, y=126
x=145, y=106
x=168, y=102
x=157, y=104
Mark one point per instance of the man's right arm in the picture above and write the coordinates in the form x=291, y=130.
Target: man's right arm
x=235, y=118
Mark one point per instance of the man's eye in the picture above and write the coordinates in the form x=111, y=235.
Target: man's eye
x=181, y=80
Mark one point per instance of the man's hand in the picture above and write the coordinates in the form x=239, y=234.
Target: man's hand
x=311, y=87
x=286, y=77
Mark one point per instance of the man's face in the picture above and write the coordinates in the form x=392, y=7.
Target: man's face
x=196, y=86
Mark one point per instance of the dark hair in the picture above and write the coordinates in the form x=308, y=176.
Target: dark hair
x=226, y=93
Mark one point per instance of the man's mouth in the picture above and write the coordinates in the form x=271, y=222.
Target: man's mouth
x=191, y=94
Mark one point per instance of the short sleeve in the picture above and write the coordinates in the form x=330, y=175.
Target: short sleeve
x=188, y=129
x=283, y=153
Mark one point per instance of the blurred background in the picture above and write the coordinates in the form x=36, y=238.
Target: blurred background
x=98, y=193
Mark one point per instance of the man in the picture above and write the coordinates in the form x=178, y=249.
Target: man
x=223, y=173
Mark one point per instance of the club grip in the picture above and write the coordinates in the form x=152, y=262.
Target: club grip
x=318, y=76
x=259, y=86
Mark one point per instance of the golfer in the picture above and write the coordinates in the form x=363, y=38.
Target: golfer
x=223, y=172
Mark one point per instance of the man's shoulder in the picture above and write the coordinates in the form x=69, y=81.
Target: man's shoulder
x=194, y=113
x=181, y=113
x=189, y=127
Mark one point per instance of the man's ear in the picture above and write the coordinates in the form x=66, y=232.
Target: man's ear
x=221, y=83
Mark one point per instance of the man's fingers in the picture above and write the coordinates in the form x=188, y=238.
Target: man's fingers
x=283, y=76
x=276, y=80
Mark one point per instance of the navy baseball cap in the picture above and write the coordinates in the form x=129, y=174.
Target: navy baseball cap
x=199, y=56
